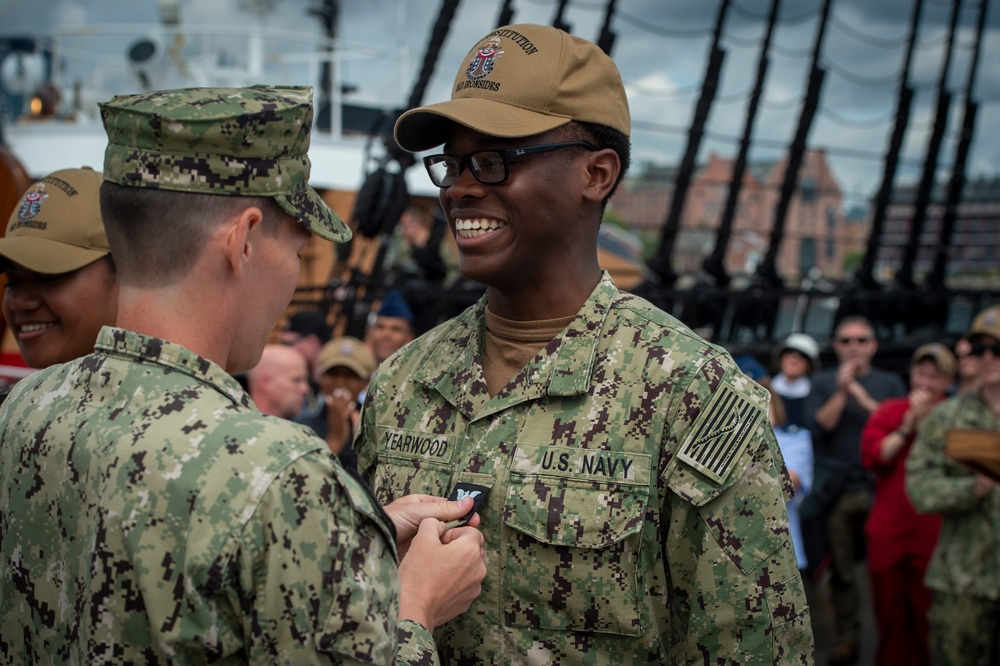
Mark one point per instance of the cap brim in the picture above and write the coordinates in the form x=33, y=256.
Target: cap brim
x=309, y=209
x=983, y=330
x=814, y=361
x=49, y=257
x=344, y=363
x=428, y=126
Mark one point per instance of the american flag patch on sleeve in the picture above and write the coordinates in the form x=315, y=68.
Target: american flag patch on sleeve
x=720, y=434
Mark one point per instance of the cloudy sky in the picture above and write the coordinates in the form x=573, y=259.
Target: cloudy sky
x=661, y=50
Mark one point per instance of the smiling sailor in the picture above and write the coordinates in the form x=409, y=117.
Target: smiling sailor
x=636, y=511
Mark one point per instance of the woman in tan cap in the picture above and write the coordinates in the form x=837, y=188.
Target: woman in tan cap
x=61, y=282
x=344, y=368
x=900, y=540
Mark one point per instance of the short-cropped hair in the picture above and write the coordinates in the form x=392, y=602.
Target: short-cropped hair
x=157, y=235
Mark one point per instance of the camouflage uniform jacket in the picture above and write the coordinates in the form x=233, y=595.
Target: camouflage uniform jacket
x=149, y=513
x=966, y=559
x=637, y=512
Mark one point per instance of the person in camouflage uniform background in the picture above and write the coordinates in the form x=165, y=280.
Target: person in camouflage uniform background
x=636, y=496
x=964, y=572
x=149, y=513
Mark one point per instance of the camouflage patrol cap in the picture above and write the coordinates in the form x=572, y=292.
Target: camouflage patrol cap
x=521, y=80
x=232, y=141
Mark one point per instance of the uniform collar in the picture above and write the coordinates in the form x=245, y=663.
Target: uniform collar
x=145, y=349
x=564, y=367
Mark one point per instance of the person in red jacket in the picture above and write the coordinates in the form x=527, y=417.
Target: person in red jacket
x=901, y=541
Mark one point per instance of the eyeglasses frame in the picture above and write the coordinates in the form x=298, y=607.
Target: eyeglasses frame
x=506, y=154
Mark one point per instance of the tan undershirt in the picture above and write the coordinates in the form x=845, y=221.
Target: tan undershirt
x=511, y=344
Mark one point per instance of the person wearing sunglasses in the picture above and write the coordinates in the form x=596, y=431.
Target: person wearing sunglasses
x=964, y=572
x=840, y=402
x=968, y=367
x=632, y=491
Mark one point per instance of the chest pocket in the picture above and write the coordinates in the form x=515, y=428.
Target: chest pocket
x=574, y=521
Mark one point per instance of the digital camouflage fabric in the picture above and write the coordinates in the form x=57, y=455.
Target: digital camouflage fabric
x=243, y=141
x=150, y=514
x=964, y=572
x=637, y=505
x=967, y=557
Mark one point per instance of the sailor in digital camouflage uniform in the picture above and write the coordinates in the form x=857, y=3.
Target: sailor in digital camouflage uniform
x=636, y=511
x=964, y=572
x=149, y=513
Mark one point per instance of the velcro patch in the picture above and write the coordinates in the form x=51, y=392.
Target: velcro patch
x=461, y=491
x=720, y=434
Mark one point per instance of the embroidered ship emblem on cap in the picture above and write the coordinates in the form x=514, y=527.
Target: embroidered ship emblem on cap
x=33, y=201
x=482, y=62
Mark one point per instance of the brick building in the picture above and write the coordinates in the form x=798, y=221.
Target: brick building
x=816, y=232
x=974, y=247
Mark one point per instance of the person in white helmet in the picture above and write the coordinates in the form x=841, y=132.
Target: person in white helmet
x=796, y=358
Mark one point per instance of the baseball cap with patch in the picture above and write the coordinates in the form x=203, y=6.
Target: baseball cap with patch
x=942, y=357
x=56, y=227
x=522, y=80
x=986, y=322
x=231, y=141
x=347, y=352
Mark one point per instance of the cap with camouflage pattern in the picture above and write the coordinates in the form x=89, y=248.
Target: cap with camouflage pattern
x=239, y=141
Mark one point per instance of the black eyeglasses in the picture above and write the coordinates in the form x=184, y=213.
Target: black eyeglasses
x=861, y=340
x=490, y=167
x=980, y=348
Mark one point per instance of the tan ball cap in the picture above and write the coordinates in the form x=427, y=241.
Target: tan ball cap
x=522, y=80
x=986, y=322
x=939, y=354
x=56, y=227
x=347, y=352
